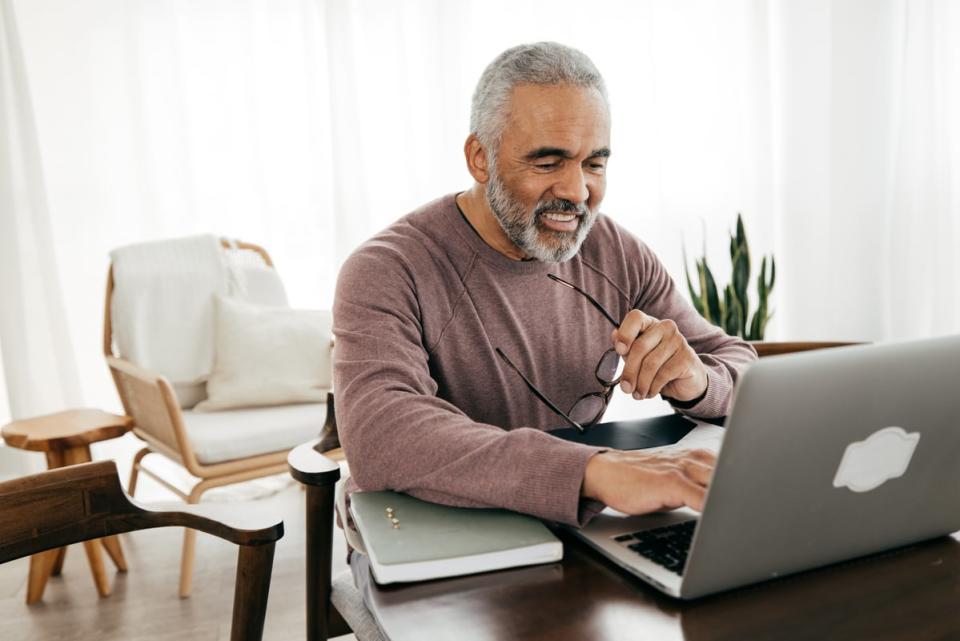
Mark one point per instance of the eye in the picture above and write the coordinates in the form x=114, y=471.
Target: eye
x=546, y=165
x=597, y=166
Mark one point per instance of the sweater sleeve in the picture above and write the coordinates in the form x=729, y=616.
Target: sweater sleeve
x=725, y=357
x=398, y=434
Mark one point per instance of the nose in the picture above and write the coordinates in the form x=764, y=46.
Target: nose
x=572, y=185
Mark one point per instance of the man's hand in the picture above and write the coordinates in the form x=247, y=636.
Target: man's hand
x=657, y=359
x=639, y=482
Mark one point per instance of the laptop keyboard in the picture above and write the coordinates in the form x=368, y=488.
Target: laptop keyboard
x=666, y=546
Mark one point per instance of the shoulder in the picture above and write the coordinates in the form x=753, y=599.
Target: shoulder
x=608, y=237
x=405, y=244
x=621, y=257
x=419, y=252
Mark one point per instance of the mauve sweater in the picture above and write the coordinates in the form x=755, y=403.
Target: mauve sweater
x=424, y=404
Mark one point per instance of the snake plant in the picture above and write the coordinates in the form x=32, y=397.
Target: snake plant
x=732, y=311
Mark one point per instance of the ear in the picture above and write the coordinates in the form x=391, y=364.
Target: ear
x=476, y=156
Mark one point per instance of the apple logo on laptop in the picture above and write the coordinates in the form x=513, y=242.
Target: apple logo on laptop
x=884, y=455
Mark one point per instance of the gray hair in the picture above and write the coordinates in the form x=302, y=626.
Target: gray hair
x=540, y=63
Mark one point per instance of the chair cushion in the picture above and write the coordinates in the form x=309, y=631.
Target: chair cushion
x=268, y=356
x=345, y=596
x=234, y=434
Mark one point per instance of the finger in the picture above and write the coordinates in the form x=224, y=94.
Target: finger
x=634, y=360
x=673, y=369
x=698, y=472
x=691, y=494
x=703, y=456
x=634, y=324
x=651, y=366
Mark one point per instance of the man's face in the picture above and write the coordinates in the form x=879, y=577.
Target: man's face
x=548, y=180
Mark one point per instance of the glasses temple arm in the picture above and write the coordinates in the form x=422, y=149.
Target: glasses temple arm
x=539, y=394
x=593, y=301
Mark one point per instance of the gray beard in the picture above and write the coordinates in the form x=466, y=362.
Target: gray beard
x=524, y=228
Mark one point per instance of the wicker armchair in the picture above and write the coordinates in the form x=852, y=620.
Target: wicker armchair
x=170, y=430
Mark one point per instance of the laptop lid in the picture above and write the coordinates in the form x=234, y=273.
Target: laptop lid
x=831, y=455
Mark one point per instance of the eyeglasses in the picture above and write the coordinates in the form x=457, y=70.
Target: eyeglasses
x=587, y=409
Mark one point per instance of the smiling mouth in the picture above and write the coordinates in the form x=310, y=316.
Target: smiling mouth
x=560, y=217
x=559, y=222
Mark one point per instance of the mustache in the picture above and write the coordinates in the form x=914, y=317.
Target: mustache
x=563, y=205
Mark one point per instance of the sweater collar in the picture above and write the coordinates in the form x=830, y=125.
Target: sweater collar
x=458, y=221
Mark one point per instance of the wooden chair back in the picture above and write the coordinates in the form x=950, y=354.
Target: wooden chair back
x=81, y=502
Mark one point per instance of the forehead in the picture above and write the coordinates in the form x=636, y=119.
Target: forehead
x=564, y=116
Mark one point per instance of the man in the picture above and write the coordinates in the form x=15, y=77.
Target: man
x=440, y=318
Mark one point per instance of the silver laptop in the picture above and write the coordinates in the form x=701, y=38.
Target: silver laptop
x=826, y=456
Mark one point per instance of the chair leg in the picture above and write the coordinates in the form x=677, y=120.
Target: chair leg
x=96, y=567
x=135, y=470
x=112, y=545
x=58, y=563
x=190, y=544
x=186, y=562
x=319, y=511
x=40, y=565
x=254, y=567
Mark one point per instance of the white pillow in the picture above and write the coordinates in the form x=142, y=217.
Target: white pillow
x=268, y=356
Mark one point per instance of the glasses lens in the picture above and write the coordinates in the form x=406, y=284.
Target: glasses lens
x=610, y=368
x=587, y=409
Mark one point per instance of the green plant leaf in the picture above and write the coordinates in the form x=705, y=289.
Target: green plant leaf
x=732, y=313
x=702, y=278
x=741, y=281
x=754, y=332
x=694, y=296
x=763, y=324
x=713, y=300
x=744, y=247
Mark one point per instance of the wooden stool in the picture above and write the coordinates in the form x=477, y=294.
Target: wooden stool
x=65, y=438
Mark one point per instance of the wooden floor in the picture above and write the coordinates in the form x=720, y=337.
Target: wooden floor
x=144, y=604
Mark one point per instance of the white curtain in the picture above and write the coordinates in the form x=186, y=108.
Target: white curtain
x=39, y=366
x=921, y=219
x=867, y=150
x=307, y=125
x=38, y=358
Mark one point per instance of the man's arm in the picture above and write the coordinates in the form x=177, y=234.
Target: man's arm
x=670, y=349
x=399, y=435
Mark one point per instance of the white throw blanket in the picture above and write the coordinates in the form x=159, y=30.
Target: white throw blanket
x=162, y=309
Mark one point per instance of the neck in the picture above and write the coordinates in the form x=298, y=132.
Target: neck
x=475, y=207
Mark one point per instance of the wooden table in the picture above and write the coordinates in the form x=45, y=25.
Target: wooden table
x=912, y=594
x=65, y=438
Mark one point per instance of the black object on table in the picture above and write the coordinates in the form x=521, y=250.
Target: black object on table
x=631, y=435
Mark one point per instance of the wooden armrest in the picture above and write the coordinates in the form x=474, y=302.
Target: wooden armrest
x=81, y=502
x=149, y=398
x=126, y=367
x=243, y=527
x=310, y=467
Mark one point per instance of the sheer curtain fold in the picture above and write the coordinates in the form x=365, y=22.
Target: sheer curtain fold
x=38, y=358
x=922, y=216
